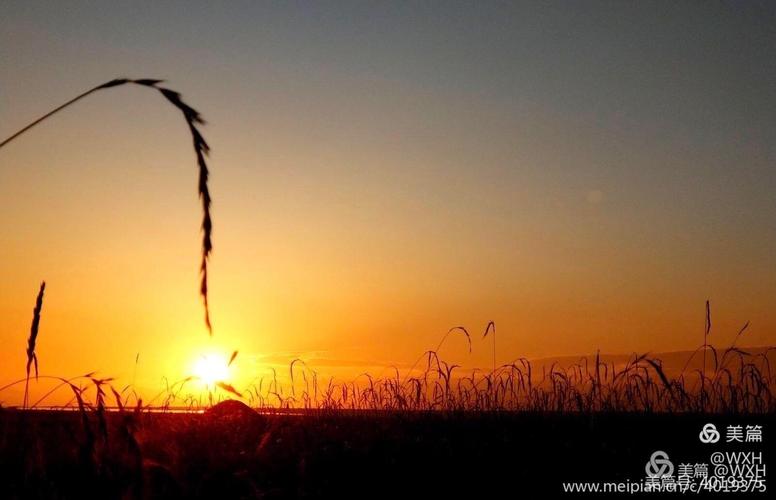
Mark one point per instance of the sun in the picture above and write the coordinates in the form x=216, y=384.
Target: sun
x=211, y=368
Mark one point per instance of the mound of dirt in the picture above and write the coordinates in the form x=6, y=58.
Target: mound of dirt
x=233, y=410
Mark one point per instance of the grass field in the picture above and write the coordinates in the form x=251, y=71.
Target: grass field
x=430, y=432
x=435, y=429
x=232, y=453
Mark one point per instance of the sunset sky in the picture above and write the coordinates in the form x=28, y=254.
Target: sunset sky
x=584, y=175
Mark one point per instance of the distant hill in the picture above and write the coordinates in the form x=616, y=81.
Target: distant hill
x=673, y=362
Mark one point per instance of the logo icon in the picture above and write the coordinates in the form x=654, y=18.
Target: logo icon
x=659, y=465
x=709, y=434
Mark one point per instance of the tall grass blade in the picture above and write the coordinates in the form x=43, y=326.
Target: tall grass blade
x=201, y=150
x=32, y=357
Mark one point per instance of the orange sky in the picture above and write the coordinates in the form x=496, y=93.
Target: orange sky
x=376, y=186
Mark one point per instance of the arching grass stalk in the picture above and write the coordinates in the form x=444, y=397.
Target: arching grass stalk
x=201, y=149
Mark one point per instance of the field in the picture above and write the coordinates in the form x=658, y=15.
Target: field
x=231, y=453
x=431, y=432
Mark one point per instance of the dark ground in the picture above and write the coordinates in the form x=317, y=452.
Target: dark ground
x=232, y=453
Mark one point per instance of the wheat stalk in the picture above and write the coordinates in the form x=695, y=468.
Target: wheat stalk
x=32, y=358
x=491, y=327
x=201, y=149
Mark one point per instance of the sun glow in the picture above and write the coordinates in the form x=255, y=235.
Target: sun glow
x=211, y=368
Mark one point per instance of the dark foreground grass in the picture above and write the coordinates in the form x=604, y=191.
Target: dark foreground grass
x=233, y=452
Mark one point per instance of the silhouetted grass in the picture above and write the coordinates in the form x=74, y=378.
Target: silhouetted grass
x=137, y=450
x=32, y=357
x=201, y=150
x=740, y=382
